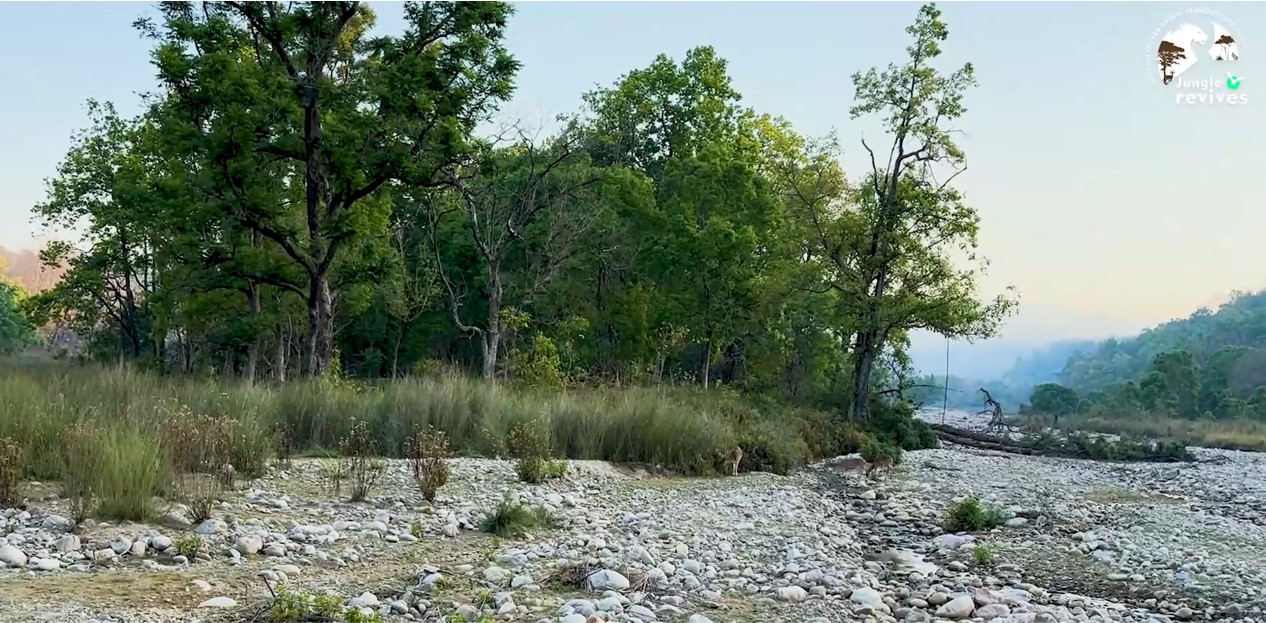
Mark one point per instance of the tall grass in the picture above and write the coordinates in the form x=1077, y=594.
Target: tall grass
x=1229, y=434
x=689, y=431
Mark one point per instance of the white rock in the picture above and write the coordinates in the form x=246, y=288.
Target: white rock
x=218, y=602
x=249, y=544
x=608, y=580
x=366, y=600
x=699, y=618
x=211, y=526
x=66, y=543
x=12, y=556
x=957, y=608
x=992, y=611
x=641, y=613
x=867, y=596
x=793, y=594
x=47, y=564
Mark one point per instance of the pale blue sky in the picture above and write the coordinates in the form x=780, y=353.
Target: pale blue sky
x=1108, y=206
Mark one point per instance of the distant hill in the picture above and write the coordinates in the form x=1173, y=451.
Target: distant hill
x=1208, y=365
x=1045, y=364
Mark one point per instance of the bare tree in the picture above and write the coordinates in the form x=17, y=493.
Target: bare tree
x=515, y=191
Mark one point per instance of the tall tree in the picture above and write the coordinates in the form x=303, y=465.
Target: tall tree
x=301, y=92
x=907, y=222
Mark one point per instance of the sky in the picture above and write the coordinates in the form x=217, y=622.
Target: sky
x=1106, y=204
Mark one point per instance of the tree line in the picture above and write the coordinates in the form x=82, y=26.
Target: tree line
x=302, y=196
x=1208, y=365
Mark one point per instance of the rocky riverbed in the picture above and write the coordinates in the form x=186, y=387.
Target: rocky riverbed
x=1086, y=541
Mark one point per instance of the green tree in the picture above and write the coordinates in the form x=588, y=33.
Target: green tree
x=299, y=91
x=16, y=331
x=1054, y=399
x=900, y=275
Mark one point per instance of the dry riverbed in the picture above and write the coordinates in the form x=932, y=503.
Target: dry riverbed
x=1089, y=542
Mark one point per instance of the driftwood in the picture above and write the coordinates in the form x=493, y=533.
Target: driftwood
x=1040, y=446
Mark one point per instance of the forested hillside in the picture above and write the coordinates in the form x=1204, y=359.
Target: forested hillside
x=305, y=197
x=1210, y=364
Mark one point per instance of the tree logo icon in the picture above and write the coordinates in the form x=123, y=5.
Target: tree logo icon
x=1193, y=55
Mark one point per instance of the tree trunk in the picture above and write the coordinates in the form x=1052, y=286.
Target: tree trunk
x=282, y=347
x=859, y=407
x=491, y=344
x=707, y=360
x=320, y=345
x=252, y=353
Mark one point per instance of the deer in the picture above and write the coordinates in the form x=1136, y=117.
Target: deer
x=882, y=463
x=733, y=460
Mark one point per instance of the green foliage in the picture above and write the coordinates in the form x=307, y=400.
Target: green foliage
x=969, y=515
x=894, y=424
x=189, y=545
x=874, y=449
x=1054, y=399
x=16, y=331
x=981, y=554
x=513, y=520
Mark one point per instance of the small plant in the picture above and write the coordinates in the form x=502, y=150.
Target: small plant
x=415, y=529
x=355, y=616
x=289, y=607
x=529, y=442
x=969, y=515
x=327, y=606
x=189, y=545
x=981, y=554
x=10, y=471
x=428, y=451
x=514, y=520
x=358, y=462
x=200, y=508
x=485, y=600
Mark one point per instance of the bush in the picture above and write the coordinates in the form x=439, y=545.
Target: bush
x=513, y=520
x=358, y=461
x=873, y=449
x=428, y=452
x=189, y=545
x=529, y=442
x=895, y=424
x=969, y=515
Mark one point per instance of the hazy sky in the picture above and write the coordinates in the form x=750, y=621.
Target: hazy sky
x=1108, y=205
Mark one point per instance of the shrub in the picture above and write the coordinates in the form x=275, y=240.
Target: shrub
x=189, y=545
x=10, y=471
x=513, y=520
x=969, y=515
x=358, y=461
x=874, y=449
x=981, y=554
x=895, y=424
x=428, y=451
x=529, y=442
x=852, y=439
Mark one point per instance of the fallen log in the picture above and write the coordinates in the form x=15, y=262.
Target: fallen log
x=1051, y=446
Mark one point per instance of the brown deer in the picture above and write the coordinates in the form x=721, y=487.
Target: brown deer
x=850, y=464
x=732, y=461
x=881, y=463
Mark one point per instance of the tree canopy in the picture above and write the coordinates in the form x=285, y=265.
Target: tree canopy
x=303, y=196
